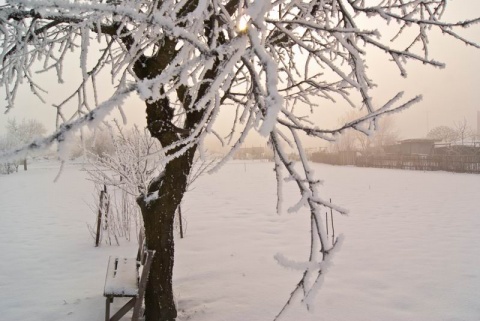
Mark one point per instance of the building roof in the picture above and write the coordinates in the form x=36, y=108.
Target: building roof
x=418, y=140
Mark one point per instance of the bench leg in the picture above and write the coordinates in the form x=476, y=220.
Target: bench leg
x=107, y=308
x=123, y=310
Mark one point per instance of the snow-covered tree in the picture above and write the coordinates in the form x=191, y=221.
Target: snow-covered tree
x=99, y=142
x=270, y=62
x=127, y=170
x=7, y=166
x=19, y=134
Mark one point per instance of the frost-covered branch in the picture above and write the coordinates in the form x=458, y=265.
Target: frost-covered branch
x=65, y=132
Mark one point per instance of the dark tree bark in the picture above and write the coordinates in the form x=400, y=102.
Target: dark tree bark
x=158, y=216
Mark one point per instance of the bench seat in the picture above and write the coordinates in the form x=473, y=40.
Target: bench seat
x=122, y=277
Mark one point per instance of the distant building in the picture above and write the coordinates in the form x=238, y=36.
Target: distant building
x=417, y=146
x=465, y=150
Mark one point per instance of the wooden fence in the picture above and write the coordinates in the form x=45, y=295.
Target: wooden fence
x=450, y=163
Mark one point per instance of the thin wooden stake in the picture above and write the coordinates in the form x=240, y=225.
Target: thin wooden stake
x=180, y=220
x=331, y=219
x=99, y=220
x=326, y=221
x=103, y=203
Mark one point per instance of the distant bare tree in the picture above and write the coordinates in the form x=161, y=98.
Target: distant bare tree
x=443, y=134
x=475, y=136
x=463, y=130
x=386, y=133
x=350, y=140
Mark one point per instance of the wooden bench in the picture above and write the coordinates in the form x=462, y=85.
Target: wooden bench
x=124, y=280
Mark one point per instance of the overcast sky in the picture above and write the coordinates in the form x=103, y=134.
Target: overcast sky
x=450, y=94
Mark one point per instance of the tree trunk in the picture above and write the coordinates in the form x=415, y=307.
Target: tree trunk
x=158, y=216
x=25, y=164
x=159, y=213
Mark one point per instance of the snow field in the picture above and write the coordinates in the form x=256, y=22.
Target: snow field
x=411, y=249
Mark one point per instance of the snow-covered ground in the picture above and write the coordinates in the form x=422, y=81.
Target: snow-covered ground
x=411, y=250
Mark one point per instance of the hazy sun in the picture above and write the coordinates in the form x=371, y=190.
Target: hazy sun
x=242, y=24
